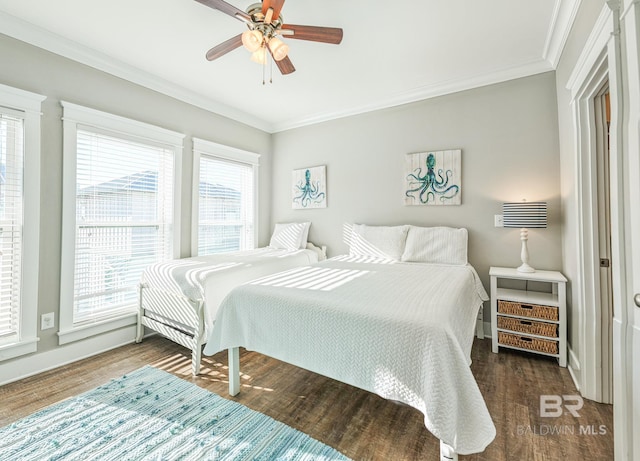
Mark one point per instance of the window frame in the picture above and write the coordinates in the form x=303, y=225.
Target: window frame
x=29, y=106
x=202, y=147
x=75, y=117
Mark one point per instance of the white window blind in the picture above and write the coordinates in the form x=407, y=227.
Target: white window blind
x=226, y=206
x=19, y=220
x=124, y=220
x=11, y=218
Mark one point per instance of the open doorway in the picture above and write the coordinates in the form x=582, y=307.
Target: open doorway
x=598, y=175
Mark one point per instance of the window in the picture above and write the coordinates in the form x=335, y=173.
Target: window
x=19, y=220
x=120, y=180
x=225, y=198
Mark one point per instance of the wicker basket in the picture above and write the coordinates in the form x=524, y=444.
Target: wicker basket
x=528, y=326
x=526, y=342
x=528, y=310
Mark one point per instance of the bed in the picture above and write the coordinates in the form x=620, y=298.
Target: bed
x=376, y=320
x=179, y=298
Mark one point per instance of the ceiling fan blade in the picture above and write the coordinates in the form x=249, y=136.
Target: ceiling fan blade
x=224, y=47
x=284, y=65
x=314, y=33
x=227, y=9
x=275, y=4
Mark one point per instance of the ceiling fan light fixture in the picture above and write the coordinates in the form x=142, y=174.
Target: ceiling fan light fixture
x=259, y=55
x=278, y=48
x=264, y=21
x=252, y=40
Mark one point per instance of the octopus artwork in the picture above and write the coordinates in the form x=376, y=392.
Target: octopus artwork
x=430, y=186
x=308, y=193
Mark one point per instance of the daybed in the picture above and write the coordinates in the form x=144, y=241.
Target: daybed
x=179, y=298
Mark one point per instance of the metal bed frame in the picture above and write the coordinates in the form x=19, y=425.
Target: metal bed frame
x=158, y=309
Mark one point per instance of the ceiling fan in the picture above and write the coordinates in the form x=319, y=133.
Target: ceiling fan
x=265, y=24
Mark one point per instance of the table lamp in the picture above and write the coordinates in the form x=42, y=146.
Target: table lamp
x=525, y=215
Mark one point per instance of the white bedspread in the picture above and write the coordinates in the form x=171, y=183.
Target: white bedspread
x=210, y=278
x=403, y=331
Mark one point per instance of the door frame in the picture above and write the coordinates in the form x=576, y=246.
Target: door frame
x=596, y=68
x=601, y=60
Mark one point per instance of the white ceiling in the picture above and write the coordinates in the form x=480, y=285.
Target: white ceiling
x=392, y=52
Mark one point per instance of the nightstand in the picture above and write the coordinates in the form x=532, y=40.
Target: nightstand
x=529, y=320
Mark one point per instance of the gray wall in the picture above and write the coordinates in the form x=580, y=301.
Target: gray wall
x=508, y=134
x=33, y=69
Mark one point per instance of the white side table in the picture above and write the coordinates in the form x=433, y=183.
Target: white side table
x=527, y=320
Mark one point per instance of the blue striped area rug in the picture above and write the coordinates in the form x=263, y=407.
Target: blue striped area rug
x=152, y=415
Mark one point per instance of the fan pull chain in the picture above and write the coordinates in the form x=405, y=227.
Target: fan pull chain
x=267, y=57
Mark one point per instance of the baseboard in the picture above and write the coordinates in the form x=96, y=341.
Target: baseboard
x=574, y=367
x=33, y=364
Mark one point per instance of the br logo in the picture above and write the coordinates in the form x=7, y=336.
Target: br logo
x=553, y=406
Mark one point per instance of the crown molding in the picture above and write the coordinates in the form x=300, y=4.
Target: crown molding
x=425, y=92
x=564, y=15
x=34, y=35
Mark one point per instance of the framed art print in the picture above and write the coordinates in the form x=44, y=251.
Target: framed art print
x=433, y=178
x=309, y=188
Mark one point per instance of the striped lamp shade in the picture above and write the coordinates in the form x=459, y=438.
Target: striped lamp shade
x=529, y=215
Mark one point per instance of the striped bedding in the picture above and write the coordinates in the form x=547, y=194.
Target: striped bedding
x=210, y=278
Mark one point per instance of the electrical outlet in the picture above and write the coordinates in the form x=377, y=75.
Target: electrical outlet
x=498, y=220
x=47, y=321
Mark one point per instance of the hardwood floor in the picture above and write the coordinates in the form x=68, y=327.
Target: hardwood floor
x=359, y=424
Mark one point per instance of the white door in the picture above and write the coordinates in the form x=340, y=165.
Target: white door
x=631, y=27
x=633, y=297
x=633, y=358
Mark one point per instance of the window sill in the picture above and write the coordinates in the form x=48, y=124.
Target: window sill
x=24, y=347
x=79, y=332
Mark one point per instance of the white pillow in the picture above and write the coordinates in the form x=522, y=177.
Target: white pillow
x=290, y=236
x=380, y=241
x=440, y=245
